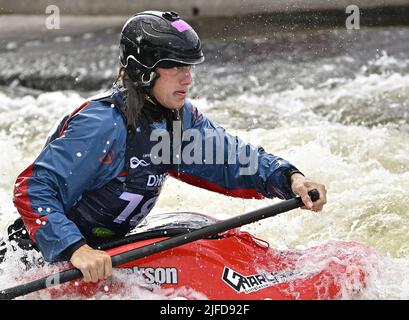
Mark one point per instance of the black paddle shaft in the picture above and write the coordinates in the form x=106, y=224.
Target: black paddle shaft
x=163, y=245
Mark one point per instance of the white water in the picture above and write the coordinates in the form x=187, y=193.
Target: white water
x=365, y=168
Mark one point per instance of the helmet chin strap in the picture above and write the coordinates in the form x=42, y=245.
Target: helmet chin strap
x=152, y=97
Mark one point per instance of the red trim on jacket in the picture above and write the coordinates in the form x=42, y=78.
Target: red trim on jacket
x=73, y=114
x=240, y=193
x=32, y=220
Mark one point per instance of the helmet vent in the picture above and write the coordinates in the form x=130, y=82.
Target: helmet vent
x=171, y=15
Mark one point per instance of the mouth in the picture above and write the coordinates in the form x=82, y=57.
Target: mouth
x=181, y=93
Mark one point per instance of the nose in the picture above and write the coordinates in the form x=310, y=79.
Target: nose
x=186, y=76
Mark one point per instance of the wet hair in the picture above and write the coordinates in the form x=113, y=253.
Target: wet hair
x=134, y=96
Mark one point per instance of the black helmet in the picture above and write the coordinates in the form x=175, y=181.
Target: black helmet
x=150, y=38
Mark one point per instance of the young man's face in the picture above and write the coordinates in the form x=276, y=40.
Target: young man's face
x=172, y=87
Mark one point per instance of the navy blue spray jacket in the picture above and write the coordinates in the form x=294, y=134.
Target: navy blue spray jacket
x=95, y=180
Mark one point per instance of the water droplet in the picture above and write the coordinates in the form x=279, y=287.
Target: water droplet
x=106, y=288
x=79, y=154
x=115, y=124
x=48, y=209
x=112, y=105
x=104, y=151
x=40, y=209
x=107, y=142
x=76, y=283
x=43, y=223
x=38, y=221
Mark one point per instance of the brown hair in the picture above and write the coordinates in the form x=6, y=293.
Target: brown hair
x=134, y=98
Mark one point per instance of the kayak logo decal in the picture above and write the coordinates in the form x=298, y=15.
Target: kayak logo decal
x=156, y=275
x=256, y=282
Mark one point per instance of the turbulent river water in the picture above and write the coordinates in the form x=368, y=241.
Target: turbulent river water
x=334, y=103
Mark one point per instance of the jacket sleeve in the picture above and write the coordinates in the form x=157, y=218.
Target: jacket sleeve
x=229, y=166
x=66, y=168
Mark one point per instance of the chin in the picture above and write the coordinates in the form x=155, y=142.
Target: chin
x=175, y=106
x=179, y=104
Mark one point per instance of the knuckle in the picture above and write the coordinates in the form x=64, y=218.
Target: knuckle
x=86, y=266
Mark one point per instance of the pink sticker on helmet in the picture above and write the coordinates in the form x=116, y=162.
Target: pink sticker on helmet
x=180, y=25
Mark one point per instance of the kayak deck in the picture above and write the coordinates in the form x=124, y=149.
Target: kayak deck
x=230, y=266
x=236, y=266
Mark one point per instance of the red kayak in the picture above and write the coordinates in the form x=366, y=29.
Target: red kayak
x=233, y=265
